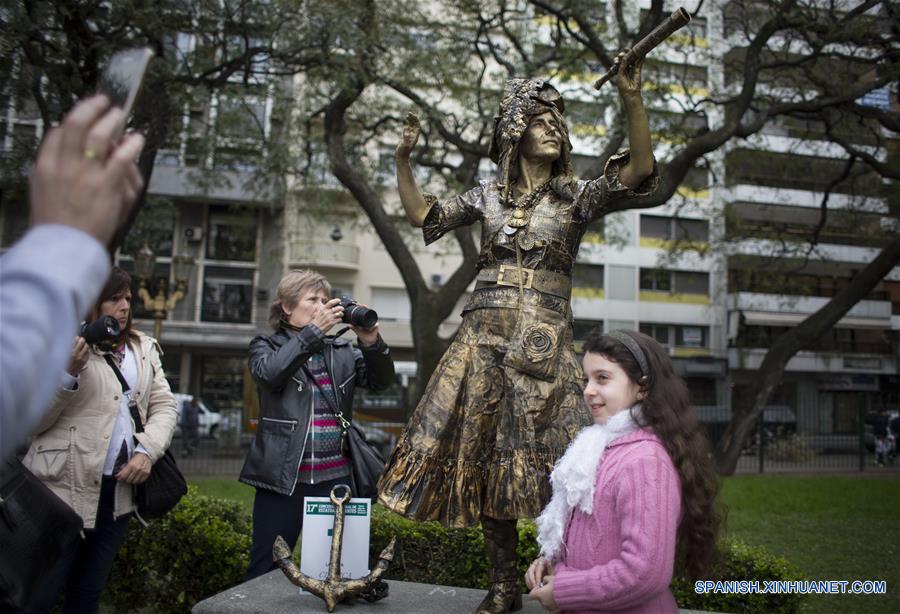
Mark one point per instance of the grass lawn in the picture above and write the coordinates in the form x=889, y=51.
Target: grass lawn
x=840, y=527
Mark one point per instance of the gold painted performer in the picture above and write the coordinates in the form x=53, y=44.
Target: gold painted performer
x=505, y=399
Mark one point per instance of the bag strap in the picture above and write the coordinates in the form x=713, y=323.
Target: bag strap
x=132, y=407
x=345, y=424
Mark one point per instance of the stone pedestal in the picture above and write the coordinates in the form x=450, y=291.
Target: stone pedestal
x=274, y=594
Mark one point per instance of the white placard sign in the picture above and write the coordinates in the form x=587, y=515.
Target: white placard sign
x=318, y=522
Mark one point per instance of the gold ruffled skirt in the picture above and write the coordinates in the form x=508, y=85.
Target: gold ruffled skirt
x=484, y=437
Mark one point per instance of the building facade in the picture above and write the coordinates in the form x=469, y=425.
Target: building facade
x=702, y=274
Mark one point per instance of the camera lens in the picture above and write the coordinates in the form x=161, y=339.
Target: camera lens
x=357, y=315
x=101, y=329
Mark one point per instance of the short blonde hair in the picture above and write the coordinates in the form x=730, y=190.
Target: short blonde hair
x=293, y=284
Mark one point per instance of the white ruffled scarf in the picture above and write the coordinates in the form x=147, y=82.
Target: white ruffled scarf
x=574, y=478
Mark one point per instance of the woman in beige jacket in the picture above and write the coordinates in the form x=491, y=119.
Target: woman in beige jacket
x=85, y=449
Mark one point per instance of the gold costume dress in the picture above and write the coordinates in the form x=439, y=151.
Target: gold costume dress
x=505, y=399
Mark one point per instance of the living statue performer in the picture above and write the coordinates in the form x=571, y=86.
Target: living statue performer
x=505, y=399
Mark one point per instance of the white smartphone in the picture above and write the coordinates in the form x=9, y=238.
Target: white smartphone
x=122, y=78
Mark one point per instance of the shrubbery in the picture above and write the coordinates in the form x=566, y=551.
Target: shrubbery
x=197, y=550
x=739, y=561
x=201, y=548
x=428, y=553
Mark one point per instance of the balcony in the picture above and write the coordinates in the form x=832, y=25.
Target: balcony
x=323, y=254
x=782, y=309
x=817, y=361
x=812, y=198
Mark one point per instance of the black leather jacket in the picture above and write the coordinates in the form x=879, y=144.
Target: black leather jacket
x=286, y=396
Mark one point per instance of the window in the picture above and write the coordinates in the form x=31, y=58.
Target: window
x=231, y=234
x=227, y=294
x=154, y=226
x=241, y=118
x=660, y=332
x=690, y=336
x=656, y=279
x=587, y=276
x=581, y=328
x=391, y=303
x=691, y=230
x=621, y=283
x=691, y=283
x=669, y=228
x=684, y=282
x=655, y=227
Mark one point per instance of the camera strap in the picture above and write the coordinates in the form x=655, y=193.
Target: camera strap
x=345, y=424
x=126, y=390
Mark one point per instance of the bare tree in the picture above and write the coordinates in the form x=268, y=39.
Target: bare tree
x=782, y=60
x=364, y=64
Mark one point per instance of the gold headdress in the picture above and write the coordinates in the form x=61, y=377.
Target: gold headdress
x=522, y=99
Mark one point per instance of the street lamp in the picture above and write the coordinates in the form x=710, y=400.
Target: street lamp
x=182, y=267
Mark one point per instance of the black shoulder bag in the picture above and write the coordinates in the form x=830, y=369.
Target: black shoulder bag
x=166, y=485
x=36, y=528
x=366, y=462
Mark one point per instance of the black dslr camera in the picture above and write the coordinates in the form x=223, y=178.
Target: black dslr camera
x=356, y=314
x=102, y=329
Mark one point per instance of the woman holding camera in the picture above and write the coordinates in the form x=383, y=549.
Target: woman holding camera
x=85, y=449
x=301, y=375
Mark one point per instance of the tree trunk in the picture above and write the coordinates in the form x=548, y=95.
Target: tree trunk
x=746, y=411
x=429, y=348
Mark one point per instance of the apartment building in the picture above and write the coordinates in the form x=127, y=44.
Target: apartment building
x=716, y=302
x=772, y=203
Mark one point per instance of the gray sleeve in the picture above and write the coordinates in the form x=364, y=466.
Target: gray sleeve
x=48, y=281
x=445, y=215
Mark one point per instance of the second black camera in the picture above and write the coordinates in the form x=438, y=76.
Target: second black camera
x=356, y=314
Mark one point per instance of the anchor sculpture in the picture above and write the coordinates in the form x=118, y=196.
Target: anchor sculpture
x=333, y=590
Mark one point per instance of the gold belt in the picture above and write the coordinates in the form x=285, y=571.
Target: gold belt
x=549, y=282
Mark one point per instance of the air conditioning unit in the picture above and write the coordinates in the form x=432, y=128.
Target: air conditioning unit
x=193, y=233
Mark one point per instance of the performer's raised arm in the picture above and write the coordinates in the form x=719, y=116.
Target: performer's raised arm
x=640, y=163
x=413, y=203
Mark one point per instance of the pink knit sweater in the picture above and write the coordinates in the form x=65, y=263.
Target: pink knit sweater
x=620, y=558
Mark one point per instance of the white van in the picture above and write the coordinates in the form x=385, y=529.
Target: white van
x=210, y=421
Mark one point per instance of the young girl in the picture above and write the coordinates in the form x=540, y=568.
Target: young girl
x=630, y=491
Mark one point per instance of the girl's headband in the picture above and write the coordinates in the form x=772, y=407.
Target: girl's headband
x=633, y=347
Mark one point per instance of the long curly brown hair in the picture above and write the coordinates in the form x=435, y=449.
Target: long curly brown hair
x=666, y=409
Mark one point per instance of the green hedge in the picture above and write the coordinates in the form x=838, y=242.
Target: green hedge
x=455, y=557
x=739, y=561
x=201, y=548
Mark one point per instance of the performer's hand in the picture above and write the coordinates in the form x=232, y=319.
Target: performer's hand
x=536, y=572
x=328, y=314
x=628, y=79
x=410, y=136
x=544, y=595
x=79, y=358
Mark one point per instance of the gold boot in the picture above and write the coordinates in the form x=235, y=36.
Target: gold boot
x=505, y=594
